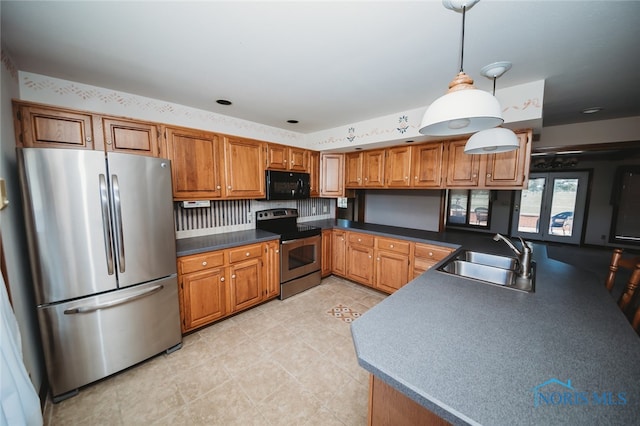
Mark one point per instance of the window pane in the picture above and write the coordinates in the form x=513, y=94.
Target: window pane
x=479, y=214
x=531, y=205
x=458, y=206
x=563, y=205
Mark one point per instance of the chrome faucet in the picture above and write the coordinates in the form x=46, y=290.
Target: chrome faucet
x=524, y=256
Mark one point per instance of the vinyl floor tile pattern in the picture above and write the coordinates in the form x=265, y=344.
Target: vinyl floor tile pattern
x=287, y=362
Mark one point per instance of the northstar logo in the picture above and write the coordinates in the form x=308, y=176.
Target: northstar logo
x=564, y=394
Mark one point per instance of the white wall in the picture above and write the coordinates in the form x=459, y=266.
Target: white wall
x=13, y=233
x=419, y=209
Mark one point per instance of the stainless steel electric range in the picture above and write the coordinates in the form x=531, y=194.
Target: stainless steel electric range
x=300, y=249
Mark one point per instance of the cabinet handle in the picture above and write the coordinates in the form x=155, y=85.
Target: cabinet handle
x=229, y=187
x=415, y=177
x=217, y=186
x=488, y=175
x=277, y=251
x=247, y=254
x=391, y=246
x=430, y=254
x=222, y=279
x=359, y=240
x=406, y=178
x=233, y=276
x=88, y=139
x=108, y=141
x=204, y=263
x=369, y=256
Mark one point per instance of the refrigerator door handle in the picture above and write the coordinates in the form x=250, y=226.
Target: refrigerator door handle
x=115, y=187
x=106, y=228
x=111, y=304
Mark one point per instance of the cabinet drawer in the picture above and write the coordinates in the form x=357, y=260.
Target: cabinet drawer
x=361, y=239
x=397, y=246
x=243, y=253
x=421, y=264
x=430, y=252
x=201, y=262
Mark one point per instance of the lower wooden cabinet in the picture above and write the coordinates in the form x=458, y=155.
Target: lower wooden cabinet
x=339, y=253
x=360, y=261
x=392, y=264
x=216, y=284
x=427, y=255
x=388, y=406
x=325, y=261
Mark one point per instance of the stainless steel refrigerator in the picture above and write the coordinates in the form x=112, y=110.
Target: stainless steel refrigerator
x=102, y=250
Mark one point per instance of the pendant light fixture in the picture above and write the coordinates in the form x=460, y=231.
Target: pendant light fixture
x=463, y=109
x=498, y=139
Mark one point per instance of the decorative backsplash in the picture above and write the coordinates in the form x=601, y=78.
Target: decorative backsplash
x=237, y=215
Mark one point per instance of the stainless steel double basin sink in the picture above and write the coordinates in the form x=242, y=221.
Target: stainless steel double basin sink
x=490, y=269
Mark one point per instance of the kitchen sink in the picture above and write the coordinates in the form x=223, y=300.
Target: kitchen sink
x=487, y=259
x=490, y=269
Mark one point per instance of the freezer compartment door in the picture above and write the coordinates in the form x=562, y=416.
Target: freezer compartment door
x=91, y=338
x=67, y=215
x=144, y=230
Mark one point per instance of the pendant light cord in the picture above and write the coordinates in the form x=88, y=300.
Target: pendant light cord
x=464, y=9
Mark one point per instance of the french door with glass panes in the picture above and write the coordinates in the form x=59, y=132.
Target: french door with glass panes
x=552, y=207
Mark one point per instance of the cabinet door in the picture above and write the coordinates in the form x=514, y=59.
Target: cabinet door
x=272, y=269
x=427, y=168
x=327, y=236
x=298, y=159
x=462, y=169
x=331, y=175
x=353, y=169
x=360, y=264
x=277, y=157
x=509, y=169
x=373, y=168
x=246, y=284
x=398, y=167
x=203, y=298
x=194, y=159
x=43, y=127
x=314, y=172
x=339, y=253
x=131, y=137
x=392, y=270
x=244, y=168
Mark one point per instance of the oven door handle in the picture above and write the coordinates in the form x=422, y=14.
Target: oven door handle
x=301, y=241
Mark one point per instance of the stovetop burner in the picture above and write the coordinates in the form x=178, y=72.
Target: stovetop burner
x=284, y=222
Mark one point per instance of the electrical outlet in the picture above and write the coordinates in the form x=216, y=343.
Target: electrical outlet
x=325, y=209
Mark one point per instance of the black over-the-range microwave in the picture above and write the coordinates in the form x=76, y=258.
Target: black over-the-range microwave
x=287, y=185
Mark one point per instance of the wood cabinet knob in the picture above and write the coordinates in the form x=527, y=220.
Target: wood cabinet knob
x=108, y=141
x=222, y=279
x=233, y=276
x=391, y=245
x=277, y=251
x=204, y=263
x=488, y=175
x=88, y=139
x=359, y=240
x=217, y=186
x=430, y=254
x=247, y=254
x=229, y=187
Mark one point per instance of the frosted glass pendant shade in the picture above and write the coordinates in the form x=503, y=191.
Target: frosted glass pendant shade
x=460, y=112
x=491, y=141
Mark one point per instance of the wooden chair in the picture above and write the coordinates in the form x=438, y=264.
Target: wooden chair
x=632, y=264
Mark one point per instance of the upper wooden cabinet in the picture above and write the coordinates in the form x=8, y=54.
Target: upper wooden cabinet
x=244, y=168
x=462, y=169
x=373, y=168
x=314, y=173
x=332, y=175
x=194, y=156
x=506, y=170
x=353, y=169
x=48, y=127
x=398, y=167
x=128, y=136
x=509, y=169
x=428, y=165
x=282, y=157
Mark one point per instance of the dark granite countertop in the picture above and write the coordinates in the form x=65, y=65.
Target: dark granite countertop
x=195, y=245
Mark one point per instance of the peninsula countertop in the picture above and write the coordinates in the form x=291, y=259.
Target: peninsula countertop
x=475, y=353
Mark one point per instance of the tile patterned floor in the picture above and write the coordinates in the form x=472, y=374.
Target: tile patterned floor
x=285, y=362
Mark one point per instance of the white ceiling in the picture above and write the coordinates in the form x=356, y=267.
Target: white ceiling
x=329, y=64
